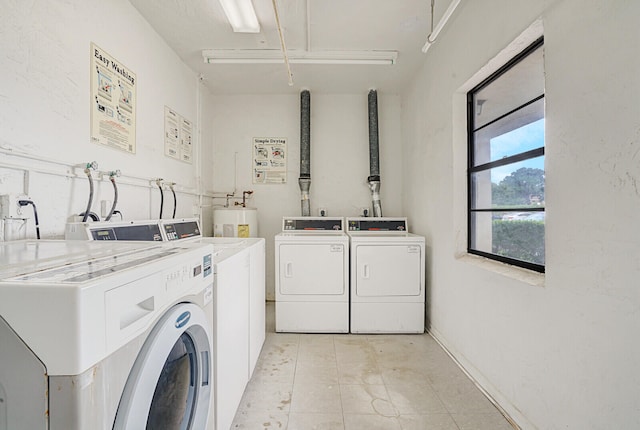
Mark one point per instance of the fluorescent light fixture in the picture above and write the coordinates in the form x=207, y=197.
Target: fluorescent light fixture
x=241, y=15
x=275, y=56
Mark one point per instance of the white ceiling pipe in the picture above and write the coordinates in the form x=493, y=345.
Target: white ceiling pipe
x=283, y=45
x=431, y=38
x=308, y=27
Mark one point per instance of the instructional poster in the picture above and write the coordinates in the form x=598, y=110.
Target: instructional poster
x=269, y=160
x=113, y=102
x=178, y=136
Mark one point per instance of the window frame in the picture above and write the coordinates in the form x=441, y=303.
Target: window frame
x=526, y=155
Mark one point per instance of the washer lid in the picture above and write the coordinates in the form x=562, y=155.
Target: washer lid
x=30, y=256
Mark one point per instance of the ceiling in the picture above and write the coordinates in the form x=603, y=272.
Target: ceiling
x=190, y=26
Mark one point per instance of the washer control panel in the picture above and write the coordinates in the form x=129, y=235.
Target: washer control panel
x=312, y=224
x=176, y=230
x=141, y=232
x=377, y=224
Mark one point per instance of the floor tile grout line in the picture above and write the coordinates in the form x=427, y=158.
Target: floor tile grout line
x=293, y=384
x=335, y=353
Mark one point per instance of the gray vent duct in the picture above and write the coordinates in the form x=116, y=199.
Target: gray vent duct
x=374, y=157
x=305, y=151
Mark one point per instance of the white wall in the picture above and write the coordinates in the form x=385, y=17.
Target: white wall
x=45, y=109
x=339, y=156
x=557, y=351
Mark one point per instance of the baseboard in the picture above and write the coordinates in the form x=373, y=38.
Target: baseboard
x=508, y=410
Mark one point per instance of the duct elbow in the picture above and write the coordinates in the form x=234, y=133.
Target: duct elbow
x=374, y=186
x=305, y=185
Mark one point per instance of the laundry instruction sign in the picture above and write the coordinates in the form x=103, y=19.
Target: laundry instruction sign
x=113, y=102
x=178, y=136
x=269, y=160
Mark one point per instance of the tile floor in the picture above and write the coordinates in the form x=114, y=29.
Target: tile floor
x=360, y=382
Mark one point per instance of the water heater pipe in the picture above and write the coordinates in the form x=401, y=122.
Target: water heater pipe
x=305, y=151
x=374, y=156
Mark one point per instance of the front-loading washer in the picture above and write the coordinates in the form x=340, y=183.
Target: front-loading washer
x=239, y=298
x=312, y=275
x=188, y=229
x=108, y=337
x=387, y=271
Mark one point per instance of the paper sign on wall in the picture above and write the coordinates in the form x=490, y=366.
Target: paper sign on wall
x=178, y=136
x=269, y=160
x=113, y=102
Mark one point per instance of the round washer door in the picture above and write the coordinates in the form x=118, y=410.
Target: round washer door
x=169, y=386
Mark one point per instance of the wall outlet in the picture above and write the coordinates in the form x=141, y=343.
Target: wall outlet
x=322, y=212
x=9, y=207
x=105, y=207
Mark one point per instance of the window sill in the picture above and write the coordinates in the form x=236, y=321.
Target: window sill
x=517, y=273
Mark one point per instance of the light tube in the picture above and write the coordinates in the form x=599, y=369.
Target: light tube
x=241, y=15
x=274, y=56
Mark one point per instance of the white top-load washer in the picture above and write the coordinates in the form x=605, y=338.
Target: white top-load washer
x=387, y=266
x=312, y=275
x=121, y=333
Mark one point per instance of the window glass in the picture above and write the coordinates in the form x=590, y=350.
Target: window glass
x=517, y=133
x=514, y=235
x=518, y=184
x=506, y=174
x=497, y=97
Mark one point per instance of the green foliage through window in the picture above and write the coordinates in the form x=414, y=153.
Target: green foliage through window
x=520, y=240
x=525, y=186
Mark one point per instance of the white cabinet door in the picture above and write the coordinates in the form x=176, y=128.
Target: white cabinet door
x=232, y=336
x=389, y=270
x=312, y=269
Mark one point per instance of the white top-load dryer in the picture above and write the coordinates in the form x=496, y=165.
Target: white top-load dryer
x=105, y=337
x=312, y=275
x=387, y=266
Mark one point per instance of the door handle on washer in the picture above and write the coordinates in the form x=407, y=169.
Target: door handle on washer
x=288, y=270
x=134, y=312
x=365, y=271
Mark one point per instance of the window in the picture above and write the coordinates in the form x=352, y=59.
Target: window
x=505, y=117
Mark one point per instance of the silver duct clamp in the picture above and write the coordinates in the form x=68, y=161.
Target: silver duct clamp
x=305, y=185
